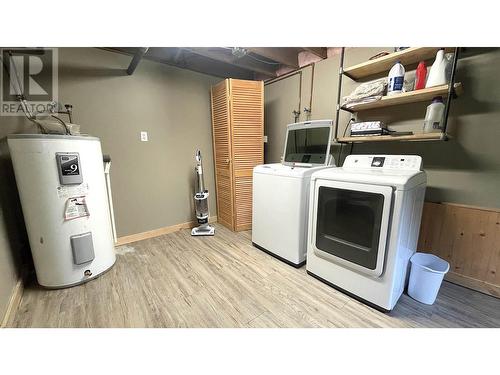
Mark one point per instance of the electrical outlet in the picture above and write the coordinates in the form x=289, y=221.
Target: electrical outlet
x=265, y=139
x=144, y=136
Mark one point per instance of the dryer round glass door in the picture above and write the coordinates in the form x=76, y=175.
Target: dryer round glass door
x=351, y=223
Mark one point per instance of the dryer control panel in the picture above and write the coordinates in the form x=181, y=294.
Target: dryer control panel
x=386, y=162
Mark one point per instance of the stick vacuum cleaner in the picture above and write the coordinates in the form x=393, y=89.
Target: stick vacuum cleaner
x=201, y=202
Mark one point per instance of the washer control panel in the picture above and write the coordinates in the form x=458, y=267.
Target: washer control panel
x=385, y=162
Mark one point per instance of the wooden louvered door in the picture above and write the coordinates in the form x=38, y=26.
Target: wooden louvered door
x=238, y=132
x=222, y=153
x=247, y=132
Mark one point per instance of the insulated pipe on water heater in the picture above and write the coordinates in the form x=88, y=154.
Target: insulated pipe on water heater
x=107, y=167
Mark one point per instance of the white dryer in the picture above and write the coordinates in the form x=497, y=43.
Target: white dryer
x=364, y=221
x=281, y=192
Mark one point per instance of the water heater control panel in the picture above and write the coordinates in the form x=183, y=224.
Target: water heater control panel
x=68, y=166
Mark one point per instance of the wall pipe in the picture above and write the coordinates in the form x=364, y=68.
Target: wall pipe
x=451, y=90
x=339, y=92
x=299, y=72
x=309, y=110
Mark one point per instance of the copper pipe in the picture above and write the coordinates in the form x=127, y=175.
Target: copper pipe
x=312, y=88
x=299, y=72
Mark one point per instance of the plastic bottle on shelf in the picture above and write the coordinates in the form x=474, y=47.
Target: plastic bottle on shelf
x=437, y=74
x=420, y=76
x=433, y=122
x=396, y=78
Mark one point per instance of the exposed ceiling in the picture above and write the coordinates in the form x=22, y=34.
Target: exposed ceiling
x=228, y=62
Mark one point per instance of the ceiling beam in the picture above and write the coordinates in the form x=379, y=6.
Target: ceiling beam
x=136, y=59
x=318, y=51
x=285, y=56
x=197, y=63
x=227, y=57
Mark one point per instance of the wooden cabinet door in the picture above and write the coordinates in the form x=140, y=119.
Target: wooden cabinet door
x=247, y=136
x=222, y=153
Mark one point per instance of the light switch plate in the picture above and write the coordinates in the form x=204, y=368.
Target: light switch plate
x=144, y=136
x=265, y=139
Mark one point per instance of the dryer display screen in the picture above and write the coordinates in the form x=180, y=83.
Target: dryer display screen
x=378, y=161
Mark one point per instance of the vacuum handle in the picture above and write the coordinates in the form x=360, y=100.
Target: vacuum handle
x=199, y=172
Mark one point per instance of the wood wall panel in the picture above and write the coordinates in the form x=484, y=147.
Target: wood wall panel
x=469, y=239
x=238, y=130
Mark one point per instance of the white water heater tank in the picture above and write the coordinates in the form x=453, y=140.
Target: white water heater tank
x=62, y=188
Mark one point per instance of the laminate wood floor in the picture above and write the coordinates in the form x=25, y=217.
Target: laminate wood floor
x=181, y=281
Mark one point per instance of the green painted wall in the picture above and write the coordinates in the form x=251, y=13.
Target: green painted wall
x=152, y=182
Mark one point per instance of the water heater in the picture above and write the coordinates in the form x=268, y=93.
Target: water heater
x=61, y=184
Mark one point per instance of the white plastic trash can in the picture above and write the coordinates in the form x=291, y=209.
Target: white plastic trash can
x=426, y=275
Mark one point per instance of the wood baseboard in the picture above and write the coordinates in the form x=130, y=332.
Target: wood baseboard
x=15, y=300
x=159, y=232
x=471, y=283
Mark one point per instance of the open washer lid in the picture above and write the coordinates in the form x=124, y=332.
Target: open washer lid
x=278, y=169
x=307, y=143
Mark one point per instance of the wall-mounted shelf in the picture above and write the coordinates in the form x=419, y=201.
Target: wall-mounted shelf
x=408, y=56
x=386, y=138
x=424, y=95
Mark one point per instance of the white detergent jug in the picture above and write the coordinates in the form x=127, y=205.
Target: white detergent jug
x=433, y=122
x=395, y=80
x=437, y=74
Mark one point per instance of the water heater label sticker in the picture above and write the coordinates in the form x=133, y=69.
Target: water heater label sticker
x=66, y=191
x=75, y=207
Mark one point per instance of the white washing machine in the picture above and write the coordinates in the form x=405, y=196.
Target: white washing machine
x=281, y=192
x=364, y=222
